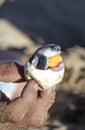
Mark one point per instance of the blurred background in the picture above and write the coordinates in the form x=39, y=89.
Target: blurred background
x=24, y=26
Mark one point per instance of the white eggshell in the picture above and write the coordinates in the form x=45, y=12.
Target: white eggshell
x=45, y=78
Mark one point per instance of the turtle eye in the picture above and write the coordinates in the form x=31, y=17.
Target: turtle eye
x=42, y=62
x=56, y=48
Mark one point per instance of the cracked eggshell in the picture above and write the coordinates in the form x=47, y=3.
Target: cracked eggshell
x=45, y=78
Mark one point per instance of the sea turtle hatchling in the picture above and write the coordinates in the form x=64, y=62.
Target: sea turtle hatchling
x=46, y=66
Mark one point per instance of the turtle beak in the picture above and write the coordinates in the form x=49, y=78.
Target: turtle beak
x=55, y=61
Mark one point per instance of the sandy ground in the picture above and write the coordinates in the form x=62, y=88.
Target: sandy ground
x=25, y=25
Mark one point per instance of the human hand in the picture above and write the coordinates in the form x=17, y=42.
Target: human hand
x=31, y=108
